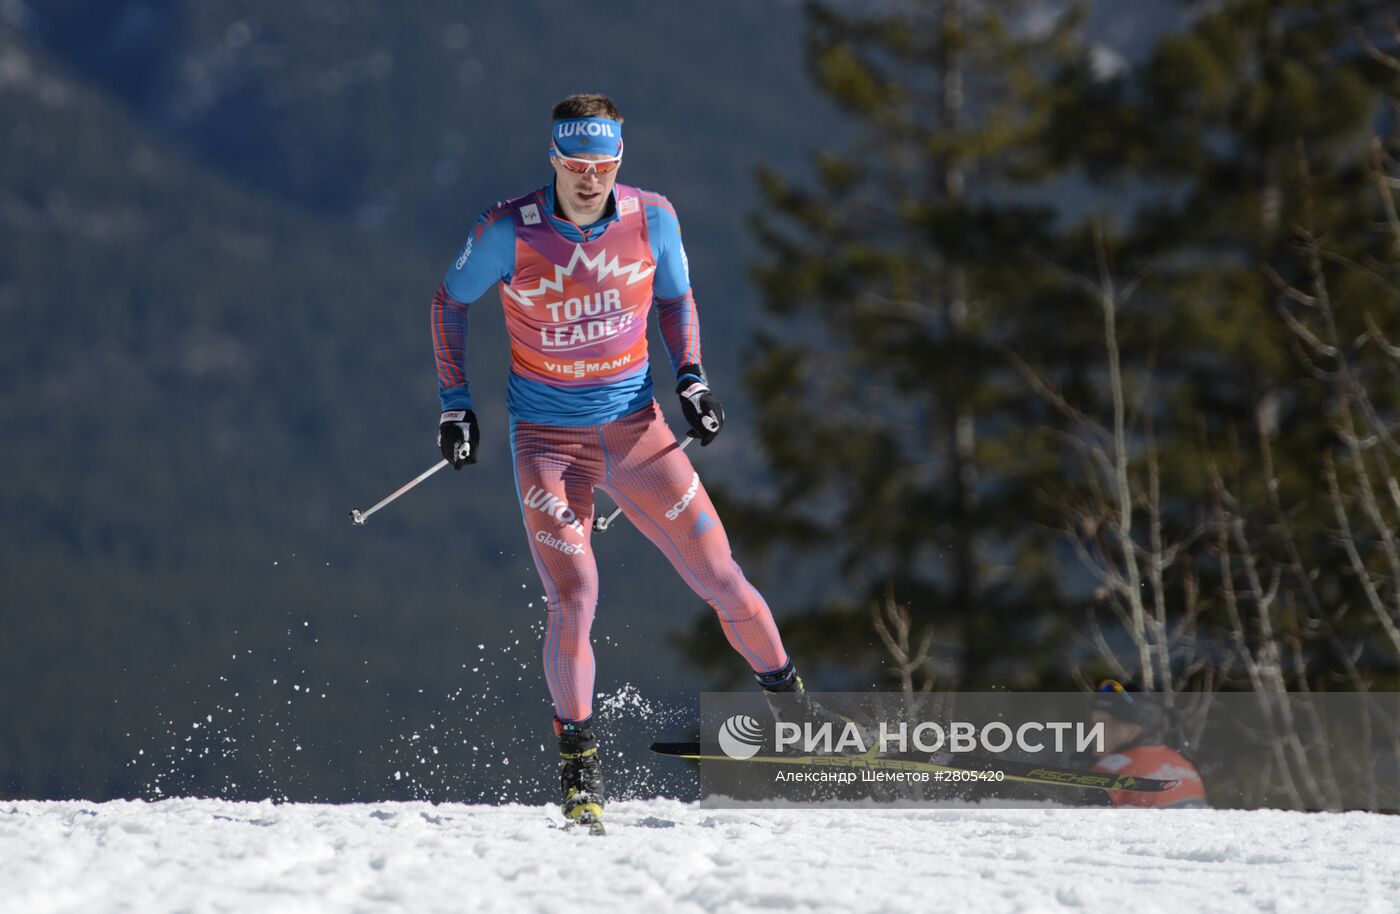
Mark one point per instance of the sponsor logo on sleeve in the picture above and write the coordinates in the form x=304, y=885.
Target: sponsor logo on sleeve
x=530, y=214
x=466, y=252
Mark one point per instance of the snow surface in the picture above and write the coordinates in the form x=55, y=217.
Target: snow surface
x=664, y=855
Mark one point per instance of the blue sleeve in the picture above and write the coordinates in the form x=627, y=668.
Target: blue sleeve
x=486, y=258
x=672, y=278
x=675, y=305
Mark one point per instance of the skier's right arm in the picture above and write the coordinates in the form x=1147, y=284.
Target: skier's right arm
x=487, y=256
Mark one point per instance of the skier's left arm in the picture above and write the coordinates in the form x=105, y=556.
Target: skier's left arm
x=680, y=322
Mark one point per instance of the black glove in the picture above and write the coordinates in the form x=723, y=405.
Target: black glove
x=702, y=410
x=457, y=437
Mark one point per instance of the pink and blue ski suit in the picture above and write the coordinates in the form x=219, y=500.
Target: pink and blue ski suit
x=576, y=302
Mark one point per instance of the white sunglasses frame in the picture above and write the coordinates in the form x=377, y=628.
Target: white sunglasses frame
x=554, y=152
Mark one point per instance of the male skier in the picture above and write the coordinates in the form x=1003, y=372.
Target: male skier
x=1135, y=744
x=581, y=261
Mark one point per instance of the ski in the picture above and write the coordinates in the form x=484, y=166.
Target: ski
x=1021, y=772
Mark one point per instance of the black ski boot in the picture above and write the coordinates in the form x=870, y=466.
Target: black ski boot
x=788, y=700
x=580, y=775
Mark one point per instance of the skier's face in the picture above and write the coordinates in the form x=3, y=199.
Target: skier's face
x=1116, y=733
x=584, y=196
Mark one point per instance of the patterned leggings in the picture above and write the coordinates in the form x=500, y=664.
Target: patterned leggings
x=636, y=461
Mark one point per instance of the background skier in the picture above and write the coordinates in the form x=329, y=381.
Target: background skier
x=1135, y=743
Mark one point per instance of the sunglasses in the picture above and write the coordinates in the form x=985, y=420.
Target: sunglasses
x=1114, y=686
x=584, y=166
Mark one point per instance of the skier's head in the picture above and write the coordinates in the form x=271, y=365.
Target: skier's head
x=1127, y=713
x=585, y=148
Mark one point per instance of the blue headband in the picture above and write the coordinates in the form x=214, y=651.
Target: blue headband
x=582, y=135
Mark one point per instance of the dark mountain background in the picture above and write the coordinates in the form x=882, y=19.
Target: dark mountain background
x=220, y=226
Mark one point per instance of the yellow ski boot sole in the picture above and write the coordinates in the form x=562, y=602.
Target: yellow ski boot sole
x=587, y=814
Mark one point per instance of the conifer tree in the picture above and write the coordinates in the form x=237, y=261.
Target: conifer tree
x=902, y=443
x=1241, y=136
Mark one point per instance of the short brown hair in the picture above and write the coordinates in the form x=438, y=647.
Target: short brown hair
x=587, y=104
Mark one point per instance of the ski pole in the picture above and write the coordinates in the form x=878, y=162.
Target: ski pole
x=601, y=524
x=359, y=517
